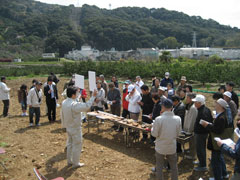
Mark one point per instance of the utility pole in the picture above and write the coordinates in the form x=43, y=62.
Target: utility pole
x=194, y=42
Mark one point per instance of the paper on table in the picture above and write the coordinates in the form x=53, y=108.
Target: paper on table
x=237, y=132
x=79, y=81
x=92, y=80
x=228, y=141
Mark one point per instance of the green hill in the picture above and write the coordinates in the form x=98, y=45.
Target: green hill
x=28, y=28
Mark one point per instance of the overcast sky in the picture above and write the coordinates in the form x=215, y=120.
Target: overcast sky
x=226, y=12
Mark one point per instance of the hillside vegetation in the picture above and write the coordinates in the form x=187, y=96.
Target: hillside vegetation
x=28, y=28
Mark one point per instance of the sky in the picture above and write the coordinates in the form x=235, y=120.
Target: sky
x=225, y=12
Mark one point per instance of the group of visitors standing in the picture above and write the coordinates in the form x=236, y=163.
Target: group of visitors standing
x=170, y=111
x=33, y=98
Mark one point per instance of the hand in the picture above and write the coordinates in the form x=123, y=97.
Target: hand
x=114, y=101
x=95, y=93
x=140, y=103
x=49, y=91
x=233, y=147
x=219, y=143
x=204, y=124
x=150, y=116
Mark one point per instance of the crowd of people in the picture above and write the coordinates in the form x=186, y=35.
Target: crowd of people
x=171, y=111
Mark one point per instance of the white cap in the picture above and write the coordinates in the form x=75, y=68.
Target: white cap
x=183, y=78
x=222, y=103
x=167, y=74
x=130, y=88
x=199, y=98
x=228, y=94
x=162, y=88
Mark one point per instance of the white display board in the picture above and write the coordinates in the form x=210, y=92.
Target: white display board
x=92, y=80
x=79, y=81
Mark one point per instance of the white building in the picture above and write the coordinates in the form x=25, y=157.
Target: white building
x=197, y=53
x=85, y=53
x=48, y=55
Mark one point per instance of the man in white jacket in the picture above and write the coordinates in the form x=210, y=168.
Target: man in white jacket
x=133, y=98
x=166, y=129
x=4, y=95
x=72, y=121
x=34, y=100
x=139, y=84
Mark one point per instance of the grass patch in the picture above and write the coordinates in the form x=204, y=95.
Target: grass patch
x=3, y=144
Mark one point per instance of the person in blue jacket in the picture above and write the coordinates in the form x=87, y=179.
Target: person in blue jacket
x=166, y=80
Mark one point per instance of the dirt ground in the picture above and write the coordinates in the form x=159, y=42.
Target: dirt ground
x=105, y=154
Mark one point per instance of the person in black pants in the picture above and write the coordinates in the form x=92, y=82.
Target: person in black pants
x=229, y=87
x=179, y=110
x=51, y=93
x=147, y=106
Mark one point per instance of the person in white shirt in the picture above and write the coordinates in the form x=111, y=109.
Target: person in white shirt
x=34, y=100
x=166, y=129
x=4, y=95
x=139, y=84
x=100, y=98
x=133, y=98
x=72, y=121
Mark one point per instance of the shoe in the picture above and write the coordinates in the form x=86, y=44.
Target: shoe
x=38, y=124
x=189, y=157
x=153, y=169
x=31, y=125
x=226, y=176
x=78, y=165
x=115, y=127
x=200, y=169
x=69, y=164
x=196, y=162
x=84, y=120
x=23, y=114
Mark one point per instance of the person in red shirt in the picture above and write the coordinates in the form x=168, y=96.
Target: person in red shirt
x=125, y=112
x=83, y=93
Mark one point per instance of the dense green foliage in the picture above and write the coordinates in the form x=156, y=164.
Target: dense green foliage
x=201, y=71
x=27, y=28
x=30, y=70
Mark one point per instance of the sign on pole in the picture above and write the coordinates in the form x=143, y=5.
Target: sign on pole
x=92, y=80
x=79, y=81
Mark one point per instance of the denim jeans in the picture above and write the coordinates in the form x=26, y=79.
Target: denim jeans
x=35, y=110
x=24, y=105
x=218, y=165
x=200, y=140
